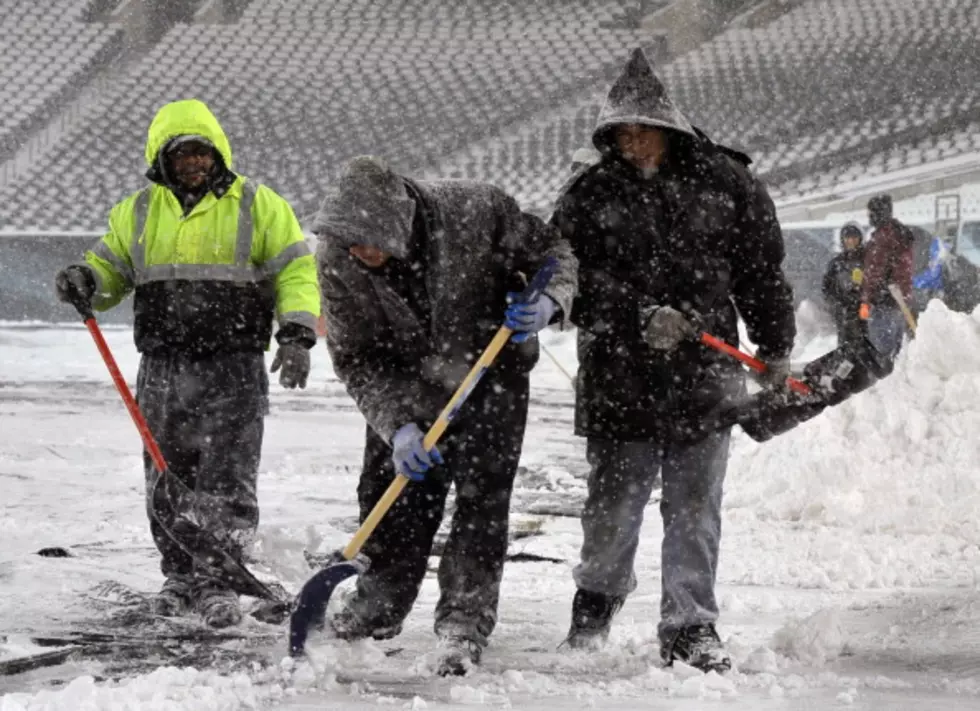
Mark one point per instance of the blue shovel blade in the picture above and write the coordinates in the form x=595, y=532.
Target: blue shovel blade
x=311, y=603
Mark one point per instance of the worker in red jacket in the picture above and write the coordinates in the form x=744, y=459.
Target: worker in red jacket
x=888, y=259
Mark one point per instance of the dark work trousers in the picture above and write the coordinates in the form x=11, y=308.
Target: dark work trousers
x=622, y=477
x=886, y=328
x=207, y=416
x=481, y=450
x=851, y=331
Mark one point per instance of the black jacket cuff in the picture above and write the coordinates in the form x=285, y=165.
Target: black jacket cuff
x=296, y=333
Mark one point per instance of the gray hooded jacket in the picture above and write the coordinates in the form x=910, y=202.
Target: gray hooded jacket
x=466, y=243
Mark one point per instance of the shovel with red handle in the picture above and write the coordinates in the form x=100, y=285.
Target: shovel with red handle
x=719, y=345
x=192, y=539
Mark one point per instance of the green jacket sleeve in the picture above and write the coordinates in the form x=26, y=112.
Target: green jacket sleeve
x=109, y=258
x=281, y=251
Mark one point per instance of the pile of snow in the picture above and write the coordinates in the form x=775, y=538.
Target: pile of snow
x=898, y=461
x=166, y=689
x=18, y=645
x=901, y=456
x=816, y=640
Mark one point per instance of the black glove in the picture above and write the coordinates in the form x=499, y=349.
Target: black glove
x=293, y=356
x=75, y=285
x=294, y=359
x=777, y=369
x=666, y=329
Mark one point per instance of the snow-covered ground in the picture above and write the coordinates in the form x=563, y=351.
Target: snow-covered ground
x=850, y=573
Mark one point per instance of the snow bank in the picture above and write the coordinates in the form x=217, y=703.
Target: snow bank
x=902, y=456
x=898, y=461
x=17, y=645
x=166, y=689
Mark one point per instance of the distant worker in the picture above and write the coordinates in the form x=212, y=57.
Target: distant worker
x=888, y=259
x=842, y=286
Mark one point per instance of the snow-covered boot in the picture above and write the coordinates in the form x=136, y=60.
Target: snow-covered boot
x=698, y=646
x=219, y=607
x=349, y=623
x=174, y=598
x=457, y=655
x=592, y=616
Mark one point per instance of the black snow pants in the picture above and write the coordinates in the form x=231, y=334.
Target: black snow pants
x=207, y=416
x=481, y=451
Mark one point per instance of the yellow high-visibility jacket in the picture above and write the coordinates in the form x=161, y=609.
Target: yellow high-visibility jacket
x=211, y=280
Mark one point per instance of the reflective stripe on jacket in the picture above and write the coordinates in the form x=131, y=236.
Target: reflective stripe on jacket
x=213, y=279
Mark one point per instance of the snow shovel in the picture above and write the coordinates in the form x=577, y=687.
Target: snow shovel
x=204, y=545
x=906, y=311
x=770, y=412
x=311, y=603
x=757, y=365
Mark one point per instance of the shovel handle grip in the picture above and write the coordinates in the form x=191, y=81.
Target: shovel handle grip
x=719, y=345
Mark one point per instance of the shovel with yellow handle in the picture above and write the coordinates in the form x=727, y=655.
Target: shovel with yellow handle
x=311, y=603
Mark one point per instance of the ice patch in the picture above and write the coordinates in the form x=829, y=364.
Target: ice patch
x=18, y=645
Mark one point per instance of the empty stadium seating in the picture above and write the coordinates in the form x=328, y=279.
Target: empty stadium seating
x=301, y=86
x=505, y=91
x=45, y=52
x=831, y=90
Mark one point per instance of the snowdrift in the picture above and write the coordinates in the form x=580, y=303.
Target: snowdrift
x=902, y=457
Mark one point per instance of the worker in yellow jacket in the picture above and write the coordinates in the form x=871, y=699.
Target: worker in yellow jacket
x=212, y=258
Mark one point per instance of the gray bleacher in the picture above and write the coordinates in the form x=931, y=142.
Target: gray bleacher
x=506, y=90
x=829, y=92
x=46, y=51
x=302, y=86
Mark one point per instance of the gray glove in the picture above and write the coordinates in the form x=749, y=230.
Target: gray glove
x=667, y=328
x=294, y=359
x=777, y=370
x=75, y=285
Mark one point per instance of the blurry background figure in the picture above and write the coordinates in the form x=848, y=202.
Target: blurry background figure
x=928, y=283
x=842, y=285
x=888, y=259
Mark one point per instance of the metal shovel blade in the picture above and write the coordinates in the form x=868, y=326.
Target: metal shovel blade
x=311, y=603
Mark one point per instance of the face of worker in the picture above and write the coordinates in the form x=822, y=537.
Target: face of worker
x=192, y=163
x=643, y=146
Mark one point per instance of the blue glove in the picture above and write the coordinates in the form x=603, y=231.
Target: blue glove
x=527, y=318
x=409, y=455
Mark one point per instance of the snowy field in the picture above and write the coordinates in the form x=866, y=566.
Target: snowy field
x=850, y=571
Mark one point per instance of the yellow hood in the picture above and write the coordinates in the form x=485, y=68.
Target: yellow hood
x=185, y=118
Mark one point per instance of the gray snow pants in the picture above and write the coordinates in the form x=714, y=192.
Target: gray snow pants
x=207, y=416
x=620, y=483
x=481, y=451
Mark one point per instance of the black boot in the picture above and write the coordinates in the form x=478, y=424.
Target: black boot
x=592, y=615
x=219, y=607
x=174, y=598
x=352, y=621
x=457, y=654
x=698, y=646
